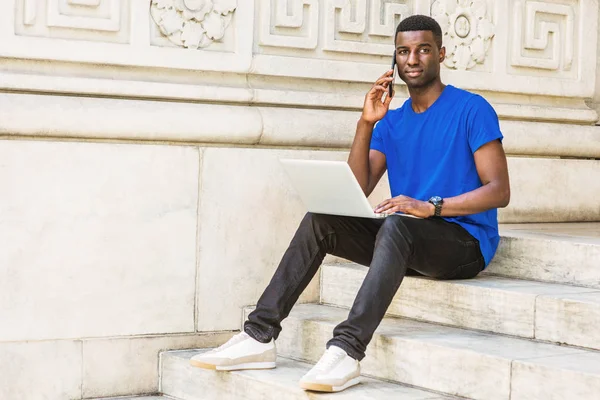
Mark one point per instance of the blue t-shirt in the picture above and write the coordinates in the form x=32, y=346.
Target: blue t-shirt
x=431, y=154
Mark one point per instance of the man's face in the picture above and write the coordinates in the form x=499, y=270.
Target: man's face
x=418, y=58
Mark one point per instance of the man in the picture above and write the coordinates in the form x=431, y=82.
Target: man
x=446, y=165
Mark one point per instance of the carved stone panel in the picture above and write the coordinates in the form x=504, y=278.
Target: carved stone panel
x=545, y=37
x=468, y=31
x=518, y=46
x=363, y=26
x=96, y=20
x=292, y=24
x=193, y=23
x=133, y=33
x=493, y=45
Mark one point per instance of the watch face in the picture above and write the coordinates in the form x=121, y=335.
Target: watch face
x=436, y=199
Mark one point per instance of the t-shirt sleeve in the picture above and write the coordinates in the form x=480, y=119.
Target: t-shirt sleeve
x=482, y=124
x=379, y=132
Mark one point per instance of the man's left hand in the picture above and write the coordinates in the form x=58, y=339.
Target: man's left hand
x=406, y=205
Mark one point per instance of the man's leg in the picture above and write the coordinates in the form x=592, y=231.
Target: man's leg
x=352, y=238
x=432, y=247
x=348, y=237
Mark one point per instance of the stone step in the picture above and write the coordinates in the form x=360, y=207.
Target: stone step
x=450, y=360
x=564, y=253
x=544, y=311
x=185, y=382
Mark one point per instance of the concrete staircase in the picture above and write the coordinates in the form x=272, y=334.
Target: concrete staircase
x=528, y=328
x=187, y=383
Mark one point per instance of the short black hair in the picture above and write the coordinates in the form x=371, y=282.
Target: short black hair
x=421, y=23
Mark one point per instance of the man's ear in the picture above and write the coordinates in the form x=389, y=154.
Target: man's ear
x=442, y=54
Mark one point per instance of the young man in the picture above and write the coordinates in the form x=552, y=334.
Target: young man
x=446, y=165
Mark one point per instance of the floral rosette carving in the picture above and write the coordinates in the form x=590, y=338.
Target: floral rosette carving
x=467, y=31
x=193, y=23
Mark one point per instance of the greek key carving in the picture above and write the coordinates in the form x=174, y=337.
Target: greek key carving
x=531, y=41
x=346, y=23
x=292, y=24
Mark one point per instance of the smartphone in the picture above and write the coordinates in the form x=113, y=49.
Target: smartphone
x=391, y=86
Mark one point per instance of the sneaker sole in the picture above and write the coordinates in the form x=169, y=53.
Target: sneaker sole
x=319, y=387
x=256, y=365
x=199, y=364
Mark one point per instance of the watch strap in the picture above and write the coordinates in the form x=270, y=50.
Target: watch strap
x=437, y=203
x=438, y=209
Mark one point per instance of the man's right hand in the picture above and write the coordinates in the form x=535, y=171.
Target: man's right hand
x=374, y=108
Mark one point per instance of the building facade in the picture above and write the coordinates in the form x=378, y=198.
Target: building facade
x=143, y=205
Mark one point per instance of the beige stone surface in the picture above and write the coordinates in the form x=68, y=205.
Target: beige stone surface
x=309, y=128
x=449, y=360
x=520, y=109
x=485, y=303
x=180, y=380
x=40, y=370
x=596, y=99
x=572, y=319
x=36, y=115
x=188, y=86
x=534, y=199
x=550, y=139
x=130, y=365
x=564, y=253
x=571, y=232
x=574, y=376
x=97, y=239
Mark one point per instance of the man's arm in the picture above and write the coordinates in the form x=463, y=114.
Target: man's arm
x=368, y=165
x=492, y=169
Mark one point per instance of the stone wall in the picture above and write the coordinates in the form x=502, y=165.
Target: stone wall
x=143, y=203
x=596, y=100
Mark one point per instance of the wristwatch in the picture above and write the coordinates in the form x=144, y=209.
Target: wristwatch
x=437, y=201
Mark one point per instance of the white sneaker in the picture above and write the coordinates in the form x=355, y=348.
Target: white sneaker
x=334, y=372
x=240, y=352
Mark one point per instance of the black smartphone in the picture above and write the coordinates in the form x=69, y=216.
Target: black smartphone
x=391, y=86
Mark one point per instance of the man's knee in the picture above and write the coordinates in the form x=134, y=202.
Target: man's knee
x=317, y=221
x=394, y=225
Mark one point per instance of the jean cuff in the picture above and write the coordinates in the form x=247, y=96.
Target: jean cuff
x=257, y=334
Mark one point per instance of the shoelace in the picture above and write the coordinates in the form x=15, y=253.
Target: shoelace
x=236, y=339
x=328, y=360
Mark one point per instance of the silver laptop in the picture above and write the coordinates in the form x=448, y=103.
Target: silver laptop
x=329, y=187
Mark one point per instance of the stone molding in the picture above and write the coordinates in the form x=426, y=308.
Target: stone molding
x=264, y=91
x=144, y=120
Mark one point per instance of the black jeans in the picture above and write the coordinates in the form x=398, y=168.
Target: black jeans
x=392, y=248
